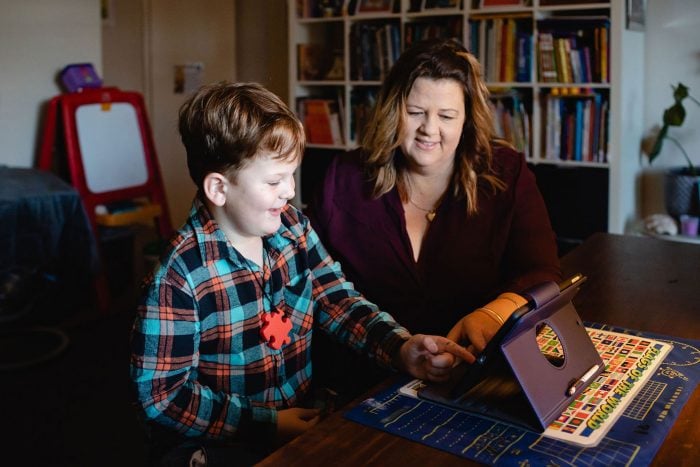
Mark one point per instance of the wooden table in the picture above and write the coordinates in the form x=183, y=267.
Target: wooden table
x=634, y=282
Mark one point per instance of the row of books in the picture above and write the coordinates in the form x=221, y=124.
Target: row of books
x=503, y=46
x=338, y=8
x=422, y=5
x=374, y=47
x=512, y=120
x=577, y=127
x=573, y=50
x=322, y=119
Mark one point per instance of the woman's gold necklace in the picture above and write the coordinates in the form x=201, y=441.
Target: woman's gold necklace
x=429, y=213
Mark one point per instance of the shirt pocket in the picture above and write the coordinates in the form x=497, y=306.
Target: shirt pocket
x=297, y=303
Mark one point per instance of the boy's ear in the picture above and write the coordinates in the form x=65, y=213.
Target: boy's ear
x=215, y=186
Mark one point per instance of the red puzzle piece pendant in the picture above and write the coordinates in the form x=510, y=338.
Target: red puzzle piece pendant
x=275, y=329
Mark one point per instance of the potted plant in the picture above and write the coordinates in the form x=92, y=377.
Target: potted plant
x=682, y=184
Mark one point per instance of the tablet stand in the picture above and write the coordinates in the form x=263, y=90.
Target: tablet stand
x=522, y=386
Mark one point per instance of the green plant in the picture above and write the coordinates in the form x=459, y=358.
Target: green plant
x=673, y=116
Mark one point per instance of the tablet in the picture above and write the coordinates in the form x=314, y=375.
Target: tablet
x=466, y=376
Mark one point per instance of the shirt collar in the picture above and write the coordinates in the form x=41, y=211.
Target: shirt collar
x=215, y=246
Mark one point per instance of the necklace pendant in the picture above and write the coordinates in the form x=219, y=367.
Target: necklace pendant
x=430, y=216
x=274, y=329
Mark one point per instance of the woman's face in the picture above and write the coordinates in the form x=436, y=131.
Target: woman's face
x=433, y=124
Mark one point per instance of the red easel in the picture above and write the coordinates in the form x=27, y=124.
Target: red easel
x=110, y=157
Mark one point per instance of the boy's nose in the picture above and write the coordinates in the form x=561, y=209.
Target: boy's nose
x=289, y=192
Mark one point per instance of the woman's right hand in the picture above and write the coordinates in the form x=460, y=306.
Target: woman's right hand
x=477, y=328
x=474, y=331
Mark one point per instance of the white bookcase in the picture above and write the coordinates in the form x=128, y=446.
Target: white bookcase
x=612, y=194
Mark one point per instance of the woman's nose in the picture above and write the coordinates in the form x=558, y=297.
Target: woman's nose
x=429, y=124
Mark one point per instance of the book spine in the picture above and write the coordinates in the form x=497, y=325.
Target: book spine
x=604, y=71
x=317, y=121
x=548, y=71
x=578, y=135
x=562, y=60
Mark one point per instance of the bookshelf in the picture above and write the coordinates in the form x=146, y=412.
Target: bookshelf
x=578, y=121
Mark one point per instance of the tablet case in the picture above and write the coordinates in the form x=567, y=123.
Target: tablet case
x=521, y=386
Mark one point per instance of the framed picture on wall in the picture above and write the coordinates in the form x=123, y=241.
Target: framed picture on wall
x=374, y=6
x=636, y=14
x=107, y=12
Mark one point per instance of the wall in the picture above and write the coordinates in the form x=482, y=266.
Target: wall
x=261, y=38
x=672, y=40
x=147, y=38
x=37, y=39
x=181, y=32
x=123, y=46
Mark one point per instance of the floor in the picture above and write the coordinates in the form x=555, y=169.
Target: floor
x=75, y=410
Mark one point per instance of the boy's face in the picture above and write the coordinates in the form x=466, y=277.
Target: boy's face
x=254, y=201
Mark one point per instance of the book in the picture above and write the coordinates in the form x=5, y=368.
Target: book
x=553, y=128
x=596, y=117
x=545, y=56
x=523, y=57
x=576, y=67
x=578, y=132
x=561, y=57
x=603, y=138
x=321, y=118
x=586, y=133
x=604, y=72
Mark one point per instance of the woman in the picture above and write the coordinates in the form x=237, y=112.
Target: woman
x=433, y=216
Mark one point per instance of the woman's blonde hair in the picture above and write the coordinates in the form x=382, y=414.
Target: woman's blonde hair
x=432, y=59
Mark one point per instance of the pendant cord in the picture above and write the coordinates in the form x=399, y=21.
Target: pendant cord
x=266, y=261
x=429, y=213
x=422, y=209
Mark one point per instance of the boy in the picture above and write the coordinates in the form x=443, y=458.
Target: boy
x=222, y=340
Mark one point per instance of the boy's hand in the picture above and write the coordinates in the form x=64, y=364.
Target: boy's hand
x=431, y=357
x=293, y=422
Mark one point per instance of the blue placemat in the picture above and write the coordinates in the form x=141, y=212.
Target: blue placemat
x=633, y=440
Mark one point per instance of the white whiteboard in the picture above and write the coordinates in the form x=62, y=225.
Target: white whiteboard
x=111, y=145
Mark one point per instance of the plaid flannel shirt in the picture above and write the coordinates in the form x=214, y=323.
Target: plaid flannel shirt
x=198, y=362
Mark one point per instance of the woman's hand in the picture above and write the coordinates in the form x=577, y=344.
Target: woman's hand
x=478, y=327
x=431, y=357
